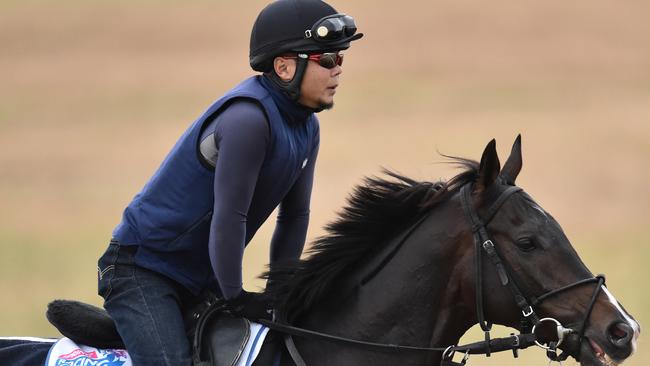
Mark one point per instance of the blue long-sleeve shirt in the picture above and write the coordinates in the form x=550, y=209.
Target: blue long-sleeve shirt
x=241, y=137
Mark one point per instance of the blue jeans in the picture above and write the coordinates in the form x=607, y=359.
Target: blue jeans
x=147, y=309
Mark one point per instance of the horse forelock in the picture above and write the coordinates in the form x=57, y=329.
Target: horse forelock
x=376, y=211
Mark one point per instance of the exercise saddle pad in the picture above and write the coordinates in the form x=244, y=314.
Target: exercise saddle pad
x=66, y=352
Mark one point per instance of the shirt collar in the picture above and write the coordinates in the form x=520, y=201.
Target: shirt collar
x=292, y=111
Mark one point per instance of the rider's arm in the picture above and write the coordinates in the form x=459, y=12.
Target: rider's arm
x=293, y=215
x=241, y=136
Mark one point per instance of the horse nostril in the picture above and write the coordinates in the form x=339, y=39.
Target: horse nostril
x=620, y=334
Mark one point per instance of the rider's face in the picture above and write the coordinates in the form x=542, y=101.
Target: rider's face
x=318, y=84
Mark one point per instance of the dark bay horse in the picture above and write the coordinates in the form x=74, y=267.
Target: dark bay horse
x=366, y=280
x=402, y=265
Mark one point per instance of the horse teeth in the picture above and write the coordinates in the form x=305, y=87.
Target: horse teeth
x=609, y=361
x=605, y=360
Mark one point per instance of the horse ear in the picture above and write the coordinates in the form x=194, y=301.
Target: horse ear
x=512, y=166
x=490, y=165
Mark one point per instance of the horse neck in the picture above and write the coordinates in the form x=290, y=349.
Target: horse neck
x=417, y=298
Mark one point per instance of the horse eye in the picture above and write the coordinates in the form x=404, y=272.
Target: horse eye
x=526, y=244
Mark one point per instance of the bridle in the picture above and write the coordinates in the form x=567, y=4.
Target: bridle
x=530, y=321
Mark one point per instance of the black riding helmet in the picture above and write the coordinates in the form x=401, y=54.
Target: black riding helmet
x=298, y=26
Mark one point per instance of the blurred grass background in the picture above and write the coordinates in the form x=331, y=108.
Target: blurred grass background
x=93, y=94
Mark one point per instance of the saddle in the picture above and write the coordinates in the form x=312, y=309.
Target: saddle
x=217, y=337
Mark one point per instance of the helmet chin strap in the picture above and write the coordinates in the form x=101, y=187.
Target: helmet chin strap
x=291, y=87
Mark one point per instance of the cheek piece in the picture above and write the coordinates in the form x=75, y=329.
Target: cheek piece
x=292, y=87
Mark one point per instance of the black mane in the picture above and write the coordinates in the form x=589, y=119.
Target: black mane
x=377, y=210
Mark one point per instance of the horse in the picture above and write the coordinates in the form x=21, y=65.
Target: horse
x=408, y=267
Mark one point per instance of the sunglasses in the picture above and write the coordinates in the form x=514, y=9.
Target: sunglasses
x=328, y=60
x=332, y=28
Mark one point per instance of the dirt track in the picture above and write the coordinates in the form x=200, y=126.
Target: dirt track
x=92, y=95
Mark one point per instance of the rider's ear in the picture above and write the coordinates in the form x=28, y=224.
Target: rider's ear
x=490, y=166
x=512, y=166
x=284, y=67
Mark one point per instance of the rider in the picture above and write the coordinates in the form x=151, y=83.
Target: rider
x=255, y=148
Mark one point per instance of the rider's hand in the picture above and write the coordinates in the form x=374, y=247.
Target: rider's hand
x=251, y=305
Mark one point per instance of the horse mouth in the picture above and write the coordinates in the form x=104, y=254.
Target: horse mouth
x=596, y=356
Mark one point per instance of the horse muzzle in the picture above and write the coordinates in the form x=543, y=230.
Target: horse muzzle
x=610, y=349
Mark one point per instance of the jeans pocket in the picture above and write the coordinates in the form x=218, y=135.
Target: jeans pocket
x=106, y=270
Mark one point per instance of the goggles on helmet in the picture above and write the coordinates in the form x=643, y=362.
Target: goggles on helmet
x=328, y=60
x=332, y=28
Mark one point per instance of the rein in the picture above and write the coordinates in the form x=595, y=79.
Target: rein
x=520, y=341
x=530, y=320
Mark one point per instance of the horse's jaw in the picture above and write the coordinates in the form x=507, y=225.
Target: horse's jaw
x=593, y=349
x=593, y=354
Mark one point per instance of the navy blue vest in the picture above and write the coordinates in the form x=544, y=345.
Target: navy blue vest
x=170, y=218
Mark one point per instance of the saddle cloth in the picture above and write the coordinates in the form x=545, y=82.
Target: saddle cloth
x=66, y=352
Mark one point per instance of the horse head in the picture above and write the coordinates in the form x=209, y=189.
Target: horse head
x=540, y=270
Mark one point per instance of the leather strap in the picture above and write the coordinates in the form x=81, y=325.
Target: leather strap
x=497, y=344
x=293, y=351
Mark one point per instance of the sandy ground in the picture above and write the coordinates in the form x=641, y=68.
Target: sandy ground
x=93, y=94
